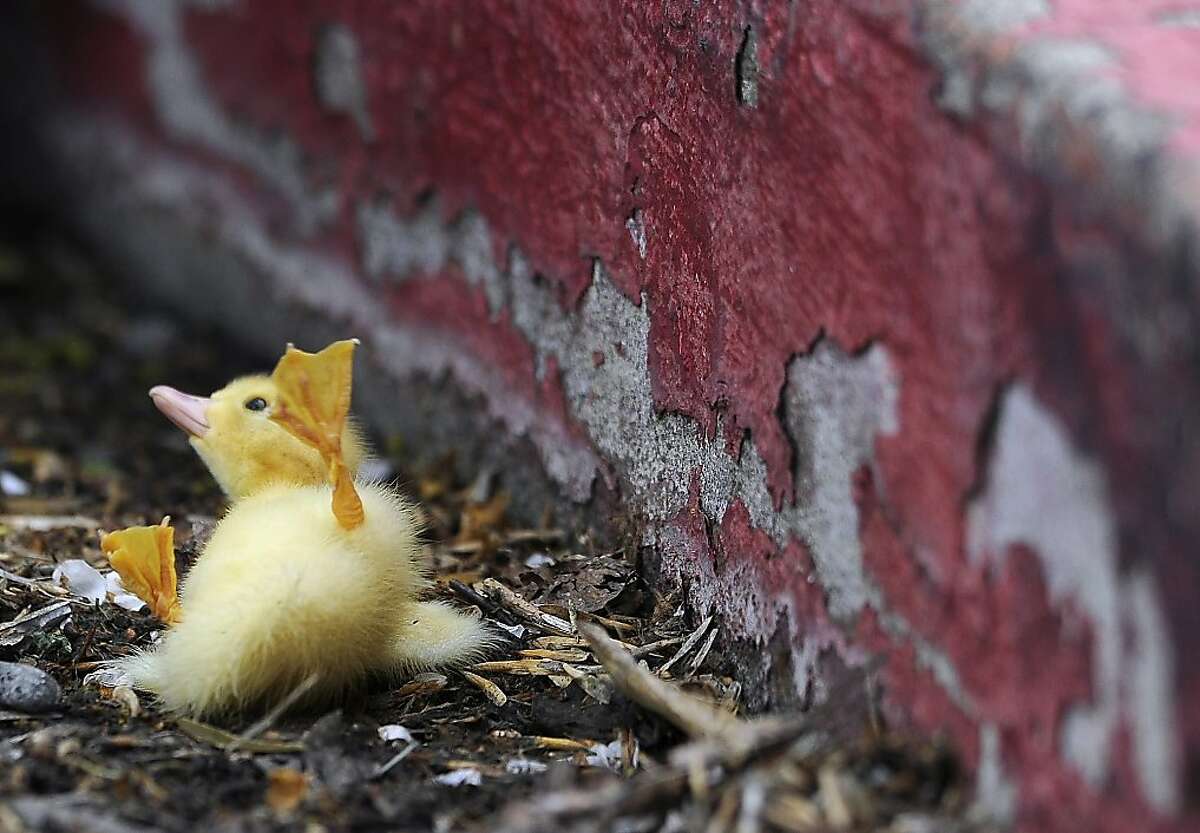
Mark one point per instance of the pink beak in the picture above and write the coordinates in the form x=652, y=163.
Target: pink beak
x=186, y=411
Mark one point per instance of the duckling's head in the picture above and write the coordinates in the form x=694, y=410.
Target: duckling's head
x=242, y=446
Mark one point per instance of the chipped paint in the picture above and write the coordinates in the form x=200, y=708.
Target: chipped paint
x=1181, y=18
x=313, y=281
x=1149, y=695
x=339, y=77
x=395, y=250
x=1059, y=97
x=1041, y=492
x=995, y=794
x=835, y=405
x=636, y=226
x=746, y=69
x=1003, y=15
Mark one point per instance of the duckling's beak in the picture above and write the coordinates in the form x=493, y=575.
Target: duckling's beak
x=186, y=411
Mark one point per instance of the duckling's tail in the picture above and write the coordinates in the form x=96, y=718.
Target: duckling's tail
x=436, y=635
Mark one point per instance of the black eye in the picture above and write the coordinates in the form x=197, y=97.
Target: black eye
x=256, y=404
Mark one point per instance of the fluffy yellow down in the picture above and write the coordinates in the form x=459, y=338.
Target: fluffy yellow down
x=281, y=591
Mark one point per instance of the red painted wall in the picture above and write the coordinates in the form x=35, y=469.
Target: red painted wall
x=846, y=206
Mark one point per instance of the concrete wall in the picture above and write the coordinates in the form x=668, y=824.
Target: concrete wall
x=877, y=316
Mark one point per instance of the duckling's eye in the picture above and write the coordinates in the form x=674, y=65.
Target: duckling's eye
x=256, y=404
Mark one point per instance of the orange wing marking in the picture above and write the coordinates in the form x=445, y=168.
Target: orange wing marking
x=314, y=400
x=144, y=558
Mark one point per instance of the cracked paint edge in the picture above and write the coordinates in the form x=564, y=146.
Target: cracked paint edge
x=1064, y=515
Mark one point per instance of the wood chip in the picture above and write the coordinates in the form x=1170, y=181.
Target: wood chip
x=611, y=624
x=702, y=654
x=125, y=695
x=523, y=536
x=268, y=720
x=16, y=579
x=833, y=799
x=793, y=813
x=687, y=645
x=559, y=643
x=693, y=716
x=14, y=631
x=562, y=643
x=561, y=656
x=562, y=744
x=490, y=689
x=630, y=752
x=754, y=796
x=531, y=667
x=525, y=610
x=652, y=647
x=726, y=811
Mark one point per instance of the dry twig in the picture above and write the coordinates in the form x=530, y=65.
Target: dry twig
x=693, y=716
x=526, y=611
x=490, y=689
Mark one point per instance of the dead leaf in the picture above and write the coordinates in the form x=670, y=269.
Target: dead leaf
x=590, y=588
x=288, y=788
x=429, y=489
x=426, y=683
x=481, y=519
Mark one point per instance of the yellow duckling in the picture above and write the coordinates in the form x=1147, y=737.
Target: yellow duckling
x=312, y=578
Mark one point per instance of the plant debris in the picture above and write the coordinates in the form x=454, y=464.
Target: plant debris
x=605, y=709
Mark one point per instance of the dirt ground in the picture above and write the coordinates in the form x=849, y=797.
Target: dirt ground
x=542, y=738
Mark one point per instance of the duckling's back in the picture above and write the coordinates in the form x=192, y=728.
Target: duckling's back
x=282, y=592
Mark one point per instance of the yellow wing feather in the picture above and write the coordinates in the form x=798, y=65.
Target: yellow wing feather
x=314, y=399
x=144, y=558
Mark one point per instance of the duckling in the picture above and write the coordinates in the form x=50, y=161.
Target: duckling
x=312, y=578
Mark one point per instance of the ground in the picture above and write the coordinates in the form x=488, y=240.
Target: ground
x=83, y=450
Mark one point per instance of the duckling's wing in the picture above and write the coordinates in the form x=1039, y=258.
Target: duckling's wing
x=144, y=558
x=314, y=400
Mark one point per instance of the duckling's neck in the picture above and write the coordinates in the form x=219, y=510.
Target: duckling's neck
x=272, y=487
x=247, y=474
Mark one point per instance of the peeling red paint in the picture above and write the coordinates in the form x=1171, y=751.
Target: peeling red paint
x=1023, y=659
x=742, y=545
x=927, y=705
x=446, y=306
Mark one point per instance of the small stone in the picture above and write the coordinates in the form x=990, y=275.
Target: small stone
x=27, y=689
